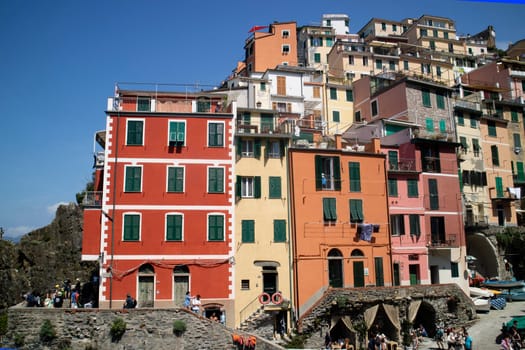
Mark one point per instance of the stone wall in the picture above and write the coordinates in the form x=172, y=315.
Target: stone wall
x=145, y=329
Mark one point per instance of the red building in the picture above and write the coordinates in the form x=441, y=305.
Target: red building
x=159, y=220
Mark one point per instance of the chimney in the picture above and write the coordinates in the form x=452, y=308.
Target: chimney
x=338, y=141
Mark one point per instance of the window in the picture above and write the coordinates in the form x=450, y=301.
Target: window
x=274, y=187
x=394, y=27
x=357, y=116
x=133, y=179
x=374, y=108
x=175, y=179
x=173, y=227
x=437, y=229
x=355, y=176
x=383, y=26
x=454, y=269
x=134, y=132
x=215, y=180
x=451, y=48
x=245, y=284
x=329, y=209
x=514, y=116
x=329, y=42
x=445, y=35
x=216, y=134
x=499, y=187
x=397, y=224
x=412, y=190
x=379, y=64
x=333, y=93
x=470, y=52
x=356, y=210
x=335, y=116
x=425, y=68
x=328, y=22
x=262, y=86
x=461, y=119
x=279, y=230
x=316, y=42
x=415, y=229
x=143, y=104
x=215, y=227
x=440, y=100
x=473, y=123
x=426, y=98
x=443, y=126
x=177, y=132
x=203, y=105
x=281, y=86
x=274, y=149
x=365, y=61
x=432, y=45
x=285, y=34
x=317, y=92
x=521, y=173
x=248, y=186
x=327, y=173
x=248, y=231
x=392, y=65
x=405, y=65
x=430, y=124
x=392, y=187
x=393, y=160
x=349, y=95
x=433, y=194
x=435, y=33
x=131, y=227
x=351, y=60
x=423, y=32
x=438, y=71
x=517, y=140
x=249, y=148
x=317, y=57
x=286, y=49
x=476, y=147
x=464, y=144
x=495, y=155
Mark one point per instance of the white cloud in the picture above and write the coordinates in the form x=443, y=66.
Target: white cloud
x=52, y=209
x=16, y=232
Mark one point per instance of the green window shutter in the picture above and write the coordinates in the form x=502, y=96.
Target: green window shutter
x=492, y=128
x=131, y=227
x=475, y=146
x=318, y=172
x=463, y=142
x=282, y=146
x=415, y=229
x=279, y=230
x=499, y=187
x=454, y=269
x=392, y=187
x=438, y=72
x=248, y=231
x=135, y=131
x=333, y=93
x=175, y=179
x=238, y=186
x=257, y=148
x=443, y=126
x=405, y=65
x=215, y=134
x=514, y=116
x=380, y=279
x=143, y=104
x=379, y=64
x=433, y=194
x=355, y=176
x=335, y=116
x=257, y=187
x=329, y=209
x=412, y=188
x=329, y=42
x=517, y=140
x=317, y=57
x=349, y=95
x=430, y=124
x=215, y=228
x=262, y=86
x=275, y=187
x=215, y=180
x=393, y=160
x=174, y=227
x=239, y=148
x=426, y=98
x=133, y=179
x=461, y=119
x=440, y=99
x=521, y=173
x=337, y=173
x=356, y=210
x=495, y=155
x=473, y=123
x=246, y=118
x=177, y=132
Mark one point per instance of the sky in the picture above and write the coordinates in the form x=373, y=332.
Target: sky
x=60, y=61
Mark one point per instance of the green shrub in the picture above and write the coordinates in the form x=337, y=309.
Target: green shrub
x=179, y=327
x=19, y=340
x=3, y=323
x=47, y=332
x=118, y=327
x=297, y=342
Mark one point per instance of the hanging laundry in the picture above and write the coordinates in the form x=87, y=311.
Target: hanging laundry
x=366, y=232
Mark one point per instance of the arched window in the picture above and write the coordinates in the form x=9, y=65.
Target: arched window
x=181, y=284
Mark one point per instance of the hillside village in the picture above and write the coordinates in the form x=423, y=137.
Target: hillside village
x=328, y=159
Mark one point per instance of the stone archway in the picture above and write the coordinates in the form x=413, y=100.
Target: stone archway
x=486, y=254
x=426, y=316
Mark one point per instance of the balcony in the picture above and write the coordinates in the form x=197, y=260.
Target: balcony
x=443, y=241
x=468, y=105
x=92, y=199
x=475, y=222
x=431, y=164
x=269, y=124
x=402, y=165
x=501, y=194
x=517, y=73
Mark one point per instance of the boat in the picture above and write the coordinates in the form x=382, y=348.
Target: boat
x=503, y=284
x=514, y=294
x=481, y=304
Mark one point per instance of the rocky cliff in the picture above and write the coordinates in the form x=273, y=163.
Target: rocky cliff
x=44, y=257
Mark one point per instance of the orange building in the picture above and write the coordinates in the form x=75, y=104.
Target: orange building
x=160, y=218
x=339, y=220
x=266, y=50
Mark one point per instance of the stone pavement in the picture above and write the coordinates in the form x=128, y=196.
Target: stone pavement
x=486, y=328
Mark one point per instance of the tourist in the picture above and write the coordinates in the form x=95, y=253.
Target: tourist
x=130, y=302
x=468, y=341
x=187, y=300
x=196, y=304
x=214, y=317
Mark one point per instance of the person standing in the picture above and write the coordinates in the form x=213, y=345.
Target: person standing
x=196, y=304
x=468, y=341
x=187, y=300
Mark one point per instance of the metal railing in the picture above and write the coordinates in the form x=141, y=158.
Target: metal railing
x=92, y=199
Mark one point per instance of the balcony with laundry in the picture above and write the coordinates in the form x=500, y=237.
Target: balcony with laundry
x=265, y=122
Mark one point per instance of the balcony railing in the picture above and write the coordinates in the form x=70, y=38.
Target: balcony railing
x=92, y=199
x=473, y=106
x=444, y=241
x=402, y=165
x=502, y=194
x=476, y=221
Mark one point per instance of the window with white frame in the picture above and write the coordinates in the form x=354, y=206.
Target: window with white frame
x=215, y=134
x=286, y=49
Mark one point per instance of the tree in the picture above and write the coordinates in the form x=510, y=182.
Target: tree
x=2, y=233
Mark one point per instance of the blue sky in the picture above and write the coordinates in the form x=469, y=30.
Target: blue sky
x=60, y=60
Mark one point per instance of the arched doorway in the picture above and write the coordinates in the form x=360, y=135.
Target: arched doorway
x=423, y=313
x=358, y=268
x=181, y=283
x=335, y=268
x=146, y=295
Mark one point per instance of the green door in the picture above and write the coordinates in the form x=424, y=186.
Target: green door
x=146, y=291
x=414, y=274
x=380, y=278
x=335, y=273
x=359, y=274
